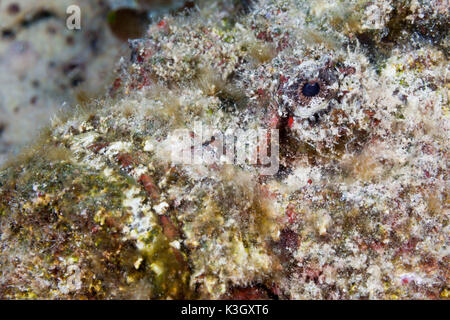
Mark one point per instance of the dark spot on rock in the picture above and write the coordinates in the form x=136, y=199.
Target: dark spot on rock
x=169, y=229
x=70, y=67
x=188, y=5
x=310, y=89
x=432, y=86
x=149, y=186
x=34, y=100
x=283, y=172
x=38, y=17
x=8, y=34
x=93, y=40
x=350, y=70
x=97, y=147
x=285, y=247
x=244, y=5
x=289, y=239
x=2, y=128
x=77, y=81
x=51, y=30
x=128, y=24
x=126, y=161
x=367, y=41
x=13, y=8
x=70, y=40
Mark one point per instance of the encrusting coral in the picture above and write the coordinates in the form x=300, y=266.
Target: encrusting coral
x=358, y=208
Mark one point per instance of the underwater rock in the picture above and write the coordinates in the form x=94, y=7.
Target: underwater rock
x=45, y=67
x=358, y=209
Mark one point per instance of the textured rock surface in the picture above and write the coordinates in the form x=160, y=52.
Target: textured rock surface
x=45, y=67
x=358, y=209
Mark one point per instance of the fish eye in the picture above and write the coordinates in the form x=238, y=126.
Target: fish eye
x=310, y=89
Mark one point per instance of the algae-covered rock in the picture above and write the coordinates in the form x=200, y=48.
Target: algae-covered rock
x=100, y=208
